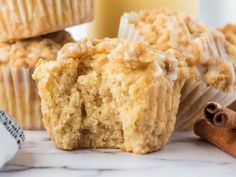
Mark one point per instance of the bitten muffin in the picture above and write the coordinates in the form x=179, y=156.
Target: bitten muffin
x=18, y=92
x=30, y=18
x=110, y=93
x=208, y=55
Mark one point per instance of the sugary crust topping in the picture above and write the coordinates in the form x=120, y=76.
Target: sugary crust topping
x=165, y=28
x=214, y=60
x=131, y=54
x=27, y=53
x=206, y=51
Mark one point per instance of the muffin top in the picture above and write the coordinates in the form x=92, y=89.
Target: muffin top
x=131, y=55
x=206, y=51
x=26, y=53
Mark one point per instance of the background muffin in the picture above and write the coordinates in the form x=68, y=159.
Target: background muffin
x=207, y=53
x=30, y=18
x=110, y=93
x=18, y=91
x=229, y=31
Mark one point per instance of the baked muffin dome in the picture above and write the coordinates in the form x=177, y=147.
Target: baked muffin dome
x=27, y=52
x=110, y=93
x=204, y=49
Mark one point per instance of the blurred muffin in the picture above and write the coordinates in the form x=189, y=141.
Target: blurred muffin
x=18, y=92
x=110, y=93
x=229, y=31
x=207, y=53
x=30, y=18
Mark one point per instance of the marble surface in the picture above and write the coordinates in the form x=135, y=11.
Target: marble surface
x=184, y=155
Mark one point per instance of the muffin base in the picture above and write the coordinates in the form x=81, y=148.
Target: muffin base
x=25, y=19
x=19, y=97
x=194, y=96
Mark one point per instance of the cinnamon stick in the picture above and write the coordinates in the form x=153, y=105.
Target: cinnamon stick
x=219, y=116
x=223, y=138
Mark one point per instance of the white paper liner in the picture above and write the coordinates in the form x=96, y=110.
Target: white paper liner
x=127, y=30
x=194, y=94
x=19, y=97
x=26, y=18
x=194, y=97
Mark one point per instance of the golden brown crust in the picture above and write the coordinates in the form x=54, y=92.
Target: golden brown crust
x=26, y=53
x=30, y=18
x=209, y=56
x=111, y=93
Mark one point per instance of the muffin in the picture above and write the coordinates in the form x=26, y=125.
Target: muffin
x=18, y=92
x=110, y=93
x=207, y=54
x=229, y=31
x=29, y=18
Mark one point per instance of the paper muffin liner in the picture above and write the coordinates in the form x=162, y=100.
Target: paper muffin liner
x=194, y=97
x=194, y=94
x=26, y=18
x=168, y=107
x=19, y=97
x=127, y=30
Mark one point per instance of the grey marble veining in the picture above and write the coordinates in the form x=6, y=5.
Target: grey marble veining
x=184, y=155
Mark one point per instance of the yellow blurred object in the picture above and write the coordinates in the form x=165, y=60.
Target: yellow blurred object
x=108, y=13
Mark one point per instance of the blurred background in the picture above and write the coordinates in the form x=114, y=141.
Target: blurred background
x=214, y=13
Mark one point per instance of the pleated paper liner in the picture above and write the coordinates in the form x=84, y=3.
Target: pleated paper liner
x=194, y=94
x=127, y=30
x=194, y=97
x=168, y=103
x=19, y=97
x=29, y=18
